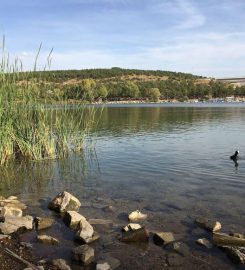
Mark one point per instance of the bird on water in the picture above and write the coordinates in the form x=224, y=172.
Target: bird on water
x=235, y=156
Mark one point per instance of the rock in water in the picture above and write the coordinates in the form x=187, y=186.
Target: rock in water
x=64, y=201
x=15, y=224
x=204, y=242
x=84, y=254
x=180, y=248
x=43, y=223
x=223, y=239
x=72, y=219
x=163, y=238
x=208, y=224
x=236, y=254
x=85, y=232
x=136, y=216
x=10, y=211
x=140, y=235
x=61, y=264
x=103, y=266
x=131, y=227
x=46, y=239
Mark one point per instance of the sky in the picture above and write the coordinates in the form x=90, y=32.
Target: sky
x=203, y=37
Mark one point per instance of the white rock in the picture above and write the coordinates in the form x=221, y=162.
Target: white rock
x=61, y=264
x=14, y=224
x=131, y=227
x=85, y=232
x=136, y=216
x=72, y=219
x=10, y=211
x=103, y=266
x=204, y=242
x=83, y=253
x=46, y=239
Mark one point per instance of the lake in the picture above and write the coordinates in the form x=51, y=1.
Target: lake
x=171, y=161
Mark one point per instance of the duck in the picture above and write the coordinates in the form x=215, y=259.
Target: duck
x=235, y=156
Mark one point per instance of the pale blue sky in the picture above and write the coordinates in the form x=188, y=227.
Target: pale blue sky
x=205, y=37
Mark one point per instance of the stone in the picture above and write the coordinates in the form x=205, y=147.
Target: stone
x=13, y=203
x=131, y=227
x=136, y=216
x=140, y=235
x=85, y=232
x=12, y=198
x=64, y=201
x=60, y=264
x=223, y=239
x=38, y=267
x=180, y=248
x=238, y=235
x=236, y=254
x=46, y=239
x=16, y=224
x=10, y=211
x=208, y=224
x=103, y=266
x=111, y=261
x=84, y=254
x=4, y=237
x=100, y=221
x=163, y=238
x=72, y=219
x=43, y=223
x=204, y=242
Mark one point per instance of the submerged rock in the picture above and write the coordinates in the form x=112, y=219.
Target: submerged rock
x=64, y=201
x=236, y=254
x=100, y=221
x=139, y=235
x=15, y=224
x=111, y=261
x=238, y=235
x=181, y=248
x=136, y=216
x=131, y=227
x=46, y=239
x=84, y=254
x=204, y=242
x=72, y=219
x=163, y=238
x=103, y=266
x=208, y=224
x=60, y=264
x=43, y=223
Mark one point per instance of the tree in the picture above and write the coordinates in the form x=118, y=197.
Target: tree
x=154, y=94
x=101, y=91
x=129, y=89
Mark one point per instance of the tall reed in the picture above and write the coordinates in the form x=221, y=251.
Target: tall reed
x=31, y=128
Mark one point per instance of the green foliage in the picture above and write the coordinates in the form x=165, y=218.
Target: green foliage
x=101, y=92
x=154, y=94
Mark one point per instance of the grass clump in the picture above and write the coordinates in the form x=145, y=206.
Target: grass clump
x=30, y=127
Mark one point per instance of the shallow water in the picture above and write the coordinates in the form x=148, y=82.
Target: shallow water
x=170, y=161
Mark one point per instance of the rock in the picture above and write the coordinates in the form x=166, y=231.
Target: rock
x=60, y=264
x=15, y=224
x=84, y=254
x=204, y=242
x=236, y=254
x=13, y=203
x=12, y=198
x=103, y=266
x=181, y=248
x=99, y=221
x=238, y=235
x=26, y=245
x=43, y=223
x=72, y=219
x=131, y=227
x=223, y=239
x=136, y=216
x=111, y=261
x=163, y=238
x=208, y=224
x=4, y=237
x=140, y=235
x=46, y=239
x=64, y=201
x=10, y=211
x=85, y=232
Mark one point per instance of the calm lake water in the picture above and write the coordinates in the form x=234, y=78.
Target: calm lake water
x=170, y=161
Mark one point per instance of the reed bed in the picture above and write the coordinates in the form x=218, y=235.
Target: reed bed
x=31, y=128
